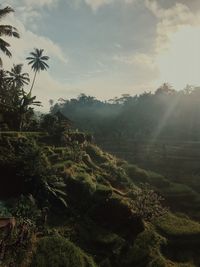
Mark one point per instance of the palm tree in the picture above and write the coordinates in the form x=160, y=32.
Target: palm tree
x=37, y=60
x=3, y=76
x=6, y=30
x=16, y=78
x=4, y=95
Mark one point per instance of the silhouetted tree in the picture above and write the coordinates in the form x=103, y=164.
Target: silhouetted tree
x=6, y=30
x=15, y=78
x=37, y=62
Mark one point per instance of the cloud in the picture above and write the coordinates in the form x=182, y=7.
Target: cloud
x=40, y=3
x=30, y=40
x=143, y=67
x=176, y=46
x=31, y=12
x=175, y=50
x=134, y=47
x=135, y=59
x=34, y=3
x=95, y=4
x=180, y=64
x=170, y=20
x=46, y=86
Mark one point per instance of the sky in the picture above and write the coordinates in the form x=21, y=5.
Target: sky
x=106, y=48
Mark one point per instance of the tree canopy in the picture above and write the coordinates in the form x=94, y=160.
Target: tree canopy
x=166, y=113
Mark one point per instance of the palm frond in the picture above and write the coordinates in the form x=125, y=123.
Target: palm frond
x=45, y=64
x=59, y=184
x=8, y=30
x=63, y=201
x=30, y=62
x=16, y=78
x=33, y=54
x=30, y=58
x=16, y=34
x=44, y=58
x=3, y=47
x=61, y=192
x=5, y=11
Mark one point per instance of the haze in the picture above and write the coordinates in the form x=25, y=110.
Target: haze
x=106, y=48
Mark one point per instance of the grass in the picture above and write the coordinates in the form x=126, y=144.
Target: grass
x=172, y=225
x=19, y=134
x=97, y=155
x=139, y=175
x=146, y=248
x=176, y=188
x=57, y=251
x=87, y=181
x=136, y=174
x=62, y=165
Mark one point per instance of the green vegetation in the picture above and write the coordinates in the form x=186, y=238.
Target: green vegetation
x=66, y=202
x=16, y=111
x=91, y=205
x=172, y=225
x=57, y=251
x=6, y=30
x=112, y=125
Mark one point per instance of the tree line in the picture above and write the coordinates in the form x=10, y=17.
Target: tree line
x=165, y=113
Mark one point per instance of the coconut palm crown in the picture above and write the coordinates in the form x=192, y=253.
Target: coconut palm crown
x=37, y=62
x=16, y=78
x=6, y=31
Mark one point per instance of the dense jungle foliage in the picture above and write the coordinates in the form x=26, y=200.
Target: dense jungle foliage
x=166, y=114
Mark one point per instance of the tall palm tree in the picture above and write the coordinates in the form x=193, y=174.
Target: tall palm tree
x=37, y=60
x=6, y=30
x=16, y=78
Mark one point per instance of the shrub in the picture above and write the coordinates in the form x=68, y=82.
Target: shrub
x=4, y=212
x=26, y=208
x=57, y=251
x=146, y=248
x=147, y=204
x=96, y=154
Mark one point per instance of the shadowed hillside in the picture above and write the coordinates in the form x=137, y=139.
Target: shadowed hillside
x=89, y=204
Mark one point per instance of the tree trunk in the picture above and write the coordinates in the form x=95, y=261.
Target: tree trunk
x=33, y=82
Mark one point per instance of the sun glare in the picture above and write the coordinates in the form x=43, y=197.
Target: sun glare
x=180, y=64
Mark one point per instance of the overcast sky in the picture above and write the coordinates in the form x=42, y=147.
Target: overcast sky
x=106, y=48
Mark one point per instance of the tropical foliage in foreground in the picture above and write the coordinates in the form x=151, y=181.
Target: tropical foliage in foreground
x=16, y=111
x=7, y=31
x=85, y=211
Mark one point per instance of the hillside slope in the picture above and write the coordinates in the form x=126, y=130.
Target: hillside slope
x=75, y=206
